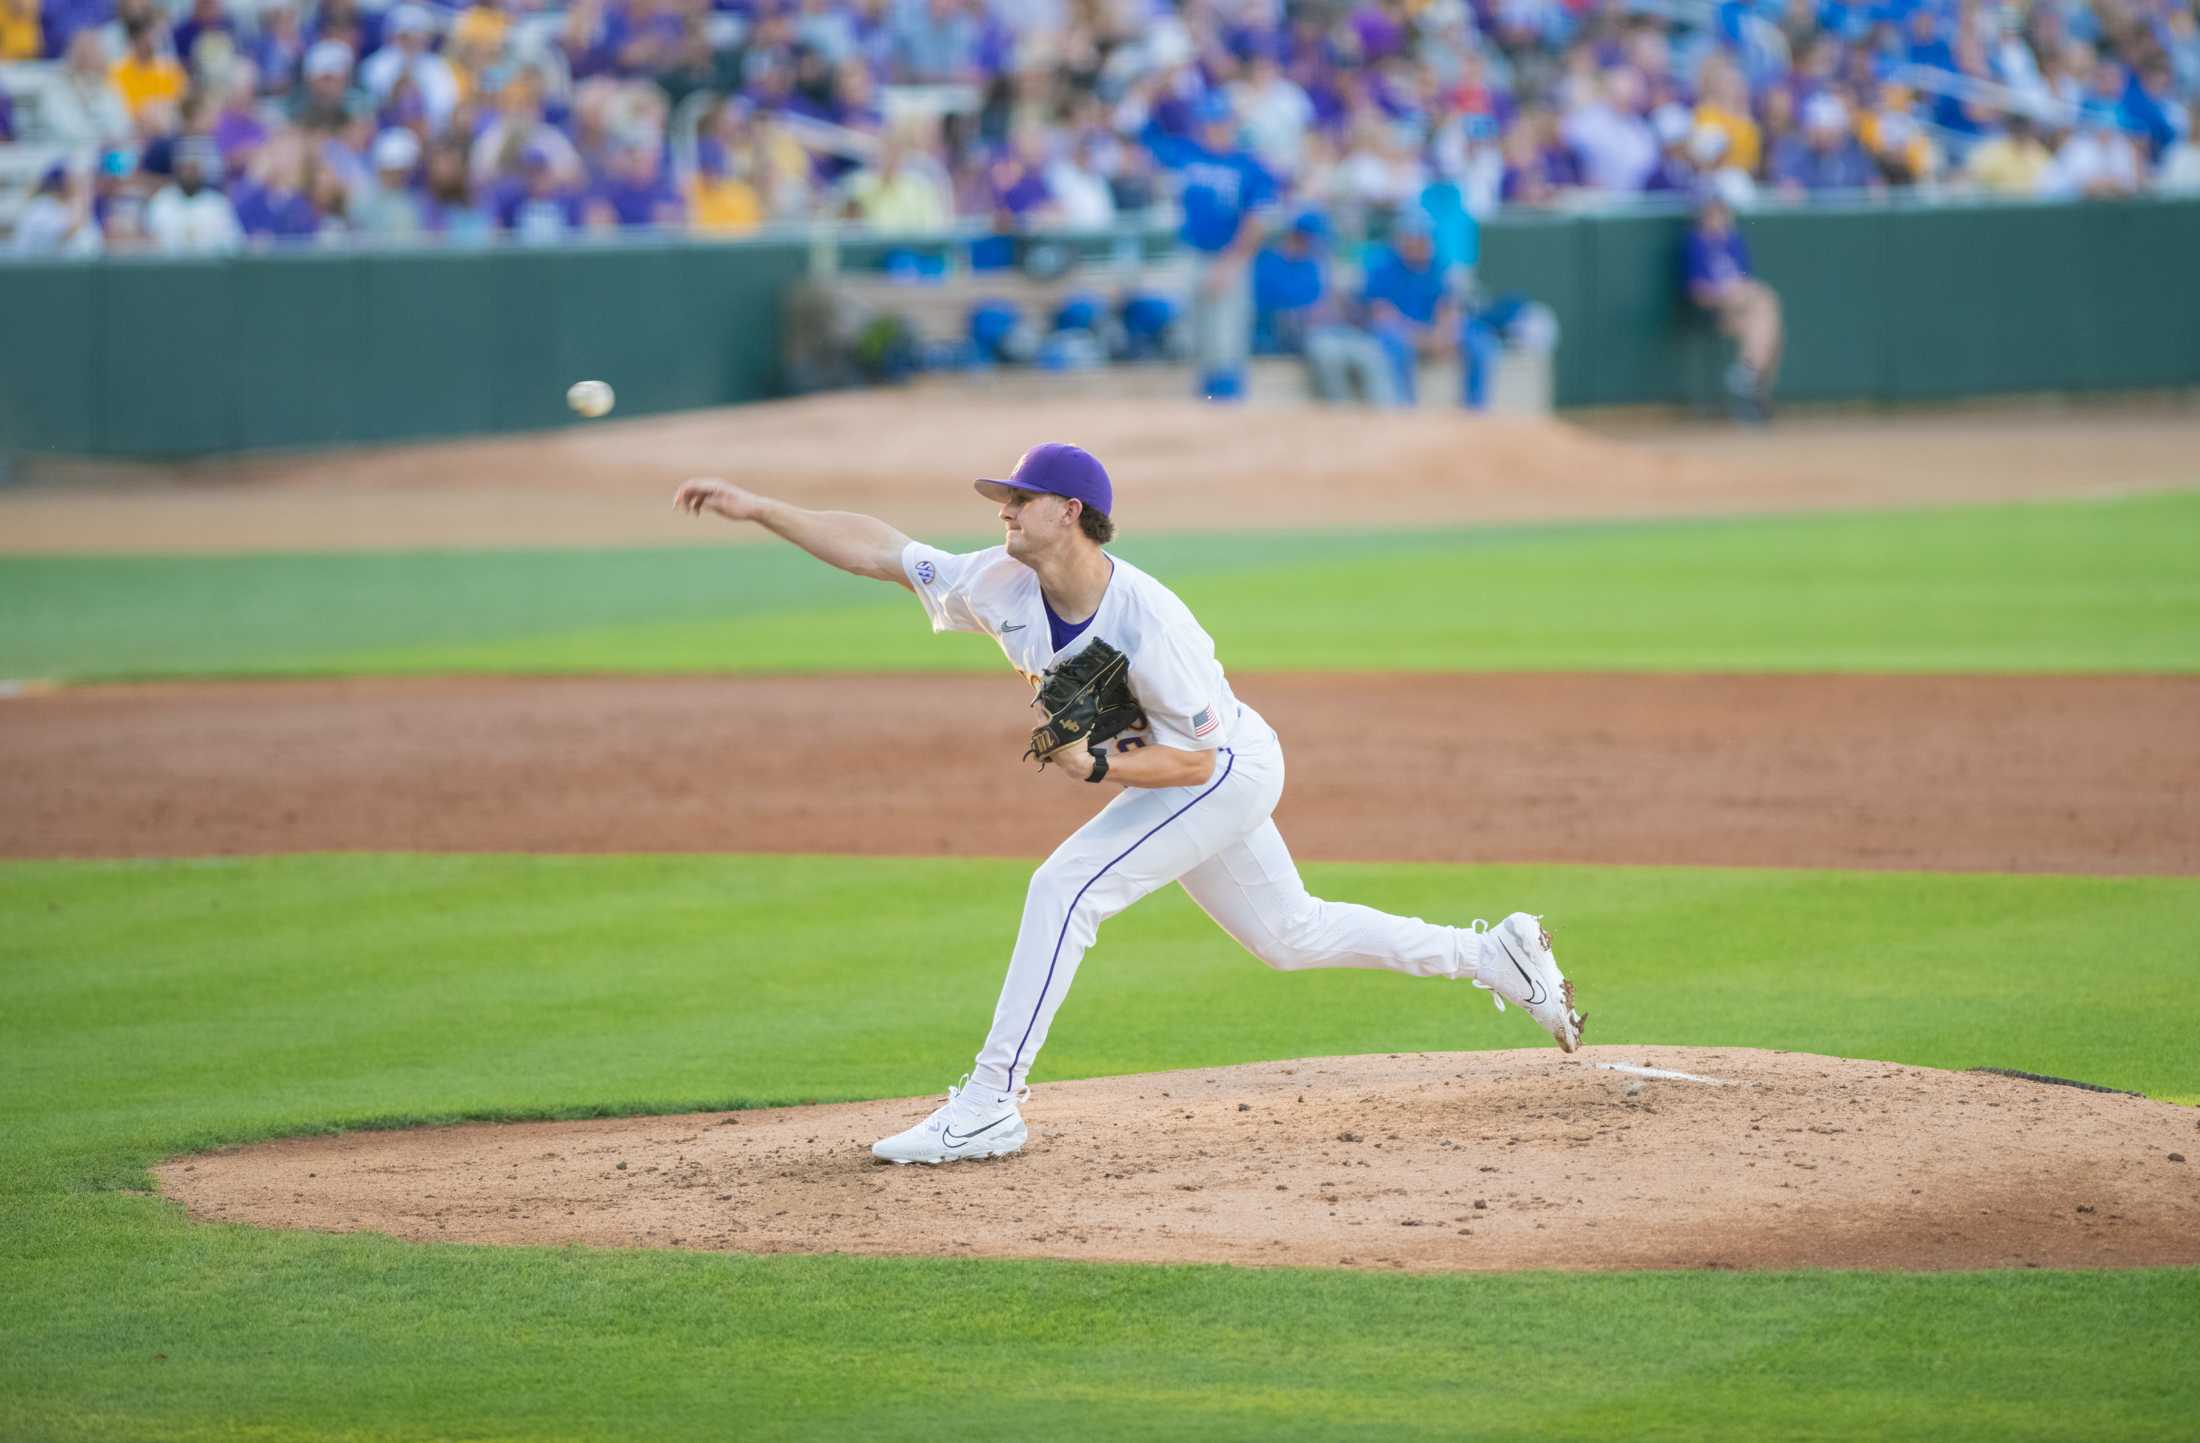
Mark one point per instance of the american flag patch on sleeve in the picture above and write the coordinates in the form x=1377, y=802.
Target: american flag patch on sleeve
x=1203, y=721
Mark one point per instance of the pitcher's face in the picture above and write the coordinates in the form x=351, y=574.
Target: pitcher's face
x=1037, y=525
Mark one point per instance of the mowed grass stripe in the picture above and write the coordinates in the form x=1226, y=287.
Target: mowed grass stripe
x=212, y=1334
x=161, y=1006
x=106, y=616
x=2108, y=586
x=442, y=985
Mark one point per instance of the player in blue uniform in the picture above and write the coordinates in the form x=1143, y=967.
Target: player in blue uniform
x=1407, y=294
x=1223, y=187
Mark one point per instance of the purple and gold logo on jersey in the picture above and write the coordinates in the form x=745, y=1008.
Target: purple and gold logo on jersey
x=925, y=573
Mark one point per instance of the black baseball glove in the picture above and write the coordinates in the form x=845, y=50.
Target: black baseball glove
x=1087, y=699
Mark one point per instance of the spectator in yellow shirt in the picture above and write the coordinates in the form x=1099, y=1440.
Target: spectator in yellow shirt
x=146, y=73
x=903, y=192
x=720, y=201
x=2013, y=162
x=475, y=49
x=765, y=158
x=1725, y=108
x=22, y=37
x=1904, y=153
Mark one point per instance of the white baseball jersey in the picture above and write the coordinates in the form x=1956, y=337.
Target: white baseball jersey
x=1173, y=671
x=1216, y=837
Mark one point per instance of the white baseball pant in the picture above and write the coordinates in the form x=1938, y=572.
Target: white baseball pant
x=1219, y=841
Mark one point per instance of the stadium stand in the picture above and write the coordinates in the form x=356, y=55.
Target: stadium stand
x=961, y=127
x=907, y=114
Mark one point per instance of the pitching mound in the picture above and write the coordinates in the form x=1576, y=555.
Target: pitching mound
x=1483, y=1160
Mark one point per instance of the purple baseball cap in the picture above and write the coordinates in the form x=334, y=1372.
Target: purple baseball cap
x=1055, y=468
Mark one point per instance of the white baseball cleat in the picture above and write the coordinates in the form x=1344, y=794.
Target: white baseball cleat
x=969, y=1126
x=1517, y=965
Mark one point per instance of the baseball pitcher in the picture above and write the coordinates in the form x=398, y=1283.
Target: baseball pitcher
x=1133, y=699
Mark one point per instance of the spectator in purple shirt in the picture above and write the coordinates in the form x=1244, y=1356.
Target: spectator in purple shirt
x=541, y=206
x=1720, y=282
x=874, y=34
x=996, y=48
x=855, y=99
x=238, y=130
x=647, y=35
x=278, y=48
x=769, y=83
x=60, y=20
x=1018, y=178
x=206, y=17
x=1825, y=157
x=634, y=190
x=1378, y=33
x=586, y=40
x=272, y=202
x=1537, y=167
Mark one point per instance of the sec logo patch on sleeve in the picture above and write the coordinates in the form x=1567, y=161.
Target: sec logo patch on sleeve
x=925, y=572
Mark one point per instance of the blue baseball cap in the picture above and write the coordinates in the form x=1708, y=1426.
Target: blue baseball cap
x=1056, y=468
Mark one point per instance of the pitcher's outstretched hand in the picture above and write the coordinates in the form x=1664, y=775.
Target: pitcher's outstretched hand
x=708, y=493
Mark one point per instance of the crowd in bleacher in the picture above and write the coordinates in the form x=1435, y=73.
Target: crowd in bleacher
x=231, y=122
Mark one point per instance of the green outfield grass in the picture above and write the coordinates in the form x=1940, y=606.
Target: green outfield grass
x=2096, y=586
x=158, y=1007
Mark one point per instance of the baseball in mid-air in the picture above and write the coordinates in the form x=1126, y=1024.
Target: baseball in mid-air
x=590, y=398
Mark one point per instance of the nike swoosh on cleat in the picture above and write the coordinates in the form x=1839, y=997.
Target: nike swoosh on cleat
x=1538, y=993
x=954, y=1141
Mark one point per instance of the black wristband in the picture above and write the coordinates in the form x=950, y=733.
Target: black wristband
x=1099, y=766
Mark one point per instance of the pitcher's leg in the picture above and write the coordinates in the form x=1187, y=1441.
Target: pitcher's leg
x=1141, y=841
x=1252, y=890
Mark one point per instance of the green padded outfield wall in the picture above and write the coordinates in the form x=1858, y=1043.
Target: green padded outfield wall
x=143, y=357
x=1884, y=302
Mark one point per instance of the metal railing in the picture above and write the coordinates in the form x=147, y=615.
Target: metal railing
x=834, y=245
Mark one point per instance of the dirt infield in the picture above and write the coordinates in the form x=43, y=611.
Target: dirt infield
x=1479, y=1160
x=906, y=456
x=2006, y=774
